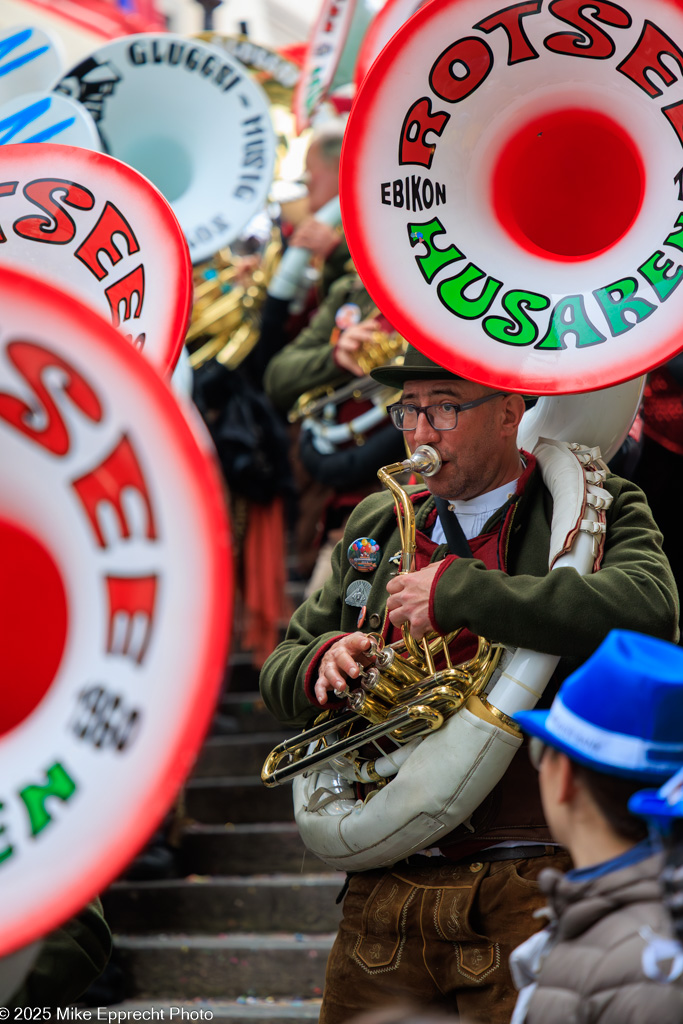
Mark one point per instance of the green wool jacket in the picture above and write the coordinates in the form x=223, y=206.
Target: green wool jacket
x=307, y=362
x=558, y=612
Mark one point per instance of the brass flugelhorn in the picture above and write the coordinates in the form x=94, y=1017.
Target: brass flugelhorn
x=402, y=695
x=318, y=407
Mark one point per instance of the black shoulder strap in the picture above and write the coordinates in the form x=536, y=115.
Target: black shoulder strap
x=457, y=541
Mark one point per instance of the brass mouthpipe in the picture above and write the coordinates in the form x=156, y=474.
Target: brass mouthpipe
x=426, y=461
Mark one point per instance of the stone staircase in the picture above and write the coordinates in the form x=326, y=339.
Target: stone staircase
x=245, y=931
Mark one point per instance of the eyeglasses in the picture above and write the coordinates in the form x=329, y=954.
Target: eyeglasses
x=537, y=749
x=444, y=416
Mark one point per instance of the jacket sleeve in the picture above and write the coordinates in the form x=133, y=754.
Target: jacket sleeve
x=284, y=675
x=307, y=362
x=562, y=612
x=353, y=466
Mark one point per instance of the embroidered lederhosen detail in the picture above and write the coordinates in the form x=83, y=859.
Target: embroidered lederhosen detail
x=476, y=958
x=385, y=912
x=475, y=963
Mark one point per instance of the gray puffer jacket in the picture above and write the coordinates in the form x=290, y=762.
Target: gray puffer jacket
x=587, y=964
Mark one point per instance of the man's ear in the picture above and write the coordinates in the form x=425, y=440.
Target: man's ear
x=567, y=786
x=513, y=410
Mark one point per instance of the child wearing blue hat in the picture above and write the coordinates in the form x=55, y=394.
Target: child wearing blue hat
x=615, y=726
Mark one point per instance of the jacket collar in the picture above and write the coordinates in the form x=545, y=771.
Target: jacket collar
x=579, y=905
x=425, y=508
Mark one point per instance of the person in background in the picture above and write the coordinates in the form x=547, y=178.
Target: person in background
x=329, y=252
x=614, y=726
x=332, y=479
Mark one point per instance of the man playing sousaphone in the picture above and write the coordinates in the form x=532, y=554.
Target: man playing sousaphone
x=436, y=928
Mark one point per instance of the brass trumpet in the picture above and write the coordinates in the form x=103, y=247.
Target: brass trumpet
x=402, y=695
x=318, y=406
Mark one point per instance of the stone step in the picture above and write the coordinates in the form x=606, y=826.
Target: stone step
x=239, y=754
x=251, y=713
x=240, y=849
x=239, y=1011
x=208, y=905
x=281, y=966
x=233, y=798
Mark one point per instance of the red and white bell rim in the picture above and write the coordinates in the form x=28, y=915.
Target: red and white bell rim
x=97, y=228
x=512, y=191
x=115, y=605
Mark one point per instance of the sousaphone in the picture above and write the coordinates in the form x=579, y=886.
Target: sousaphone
x=511, y=195
x=226, y=315
x=523, y=168
x=30, y=60
x=188, y=116
x=388, y=20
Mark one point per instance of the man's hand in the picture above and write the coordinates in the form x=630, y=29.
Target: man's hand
x=409, y=599
x=244, y=269
x=350, y=343
x=339, y=660
x=319, y=238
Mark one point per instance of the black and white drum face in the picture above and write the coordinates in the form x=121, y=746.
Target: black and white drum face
x=190, y=118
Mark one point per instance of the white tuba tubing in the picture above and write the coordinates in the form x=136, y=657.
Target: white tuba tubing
x=389, y=764
x=564, y=476
x=524, y=678
x=328, y=435
x=286, y=280
x=594, y=417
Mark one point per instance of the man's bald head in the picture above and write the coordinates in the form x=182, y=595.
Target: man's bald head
x=322, y=163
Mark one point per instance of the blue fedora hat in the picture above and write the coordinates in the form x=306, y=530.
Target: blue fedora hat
x=620, y=713
x=660, y=806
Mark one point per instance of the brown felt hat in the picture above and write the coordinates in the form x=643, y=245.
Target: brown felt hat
x=415, y=366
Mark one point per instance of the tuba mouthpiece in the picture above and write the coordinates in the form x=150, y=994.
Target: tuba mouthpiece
x=424, y=460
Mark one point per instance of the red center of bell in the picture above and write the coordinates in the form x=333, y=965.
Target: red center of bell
x=568, y=185
x=33, y=623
